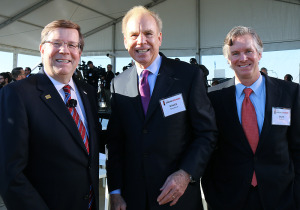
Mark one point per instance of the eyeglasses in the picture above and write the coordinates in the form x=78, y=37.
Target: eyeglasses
x=70, y=45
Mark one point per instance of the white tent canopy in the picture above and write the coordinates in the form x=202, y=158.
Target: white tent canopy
x=190, y=27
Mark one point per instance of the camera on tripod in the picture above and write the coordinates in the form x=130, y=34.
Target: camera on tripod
x=95, y=76
x=92, y=75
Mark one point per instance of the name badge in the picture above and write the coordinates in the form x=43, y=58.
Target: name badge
x=281, y=116
x=172, y=105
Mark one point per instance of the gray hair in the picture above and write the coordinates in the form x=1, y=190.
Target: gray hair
x=241, y=31
x=140, y=10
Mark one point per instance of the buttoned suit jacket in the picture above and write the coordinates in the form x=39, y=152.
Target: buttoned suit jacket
x=44, y=163
x=144, y=150
x=276, y=161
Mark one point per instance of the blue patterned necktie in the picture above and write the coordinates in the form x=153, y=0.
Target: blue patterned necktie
x=82, y=131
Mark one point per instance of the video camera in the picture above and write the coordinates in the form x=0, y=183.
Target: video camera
x=83, y=67
x=91, y=75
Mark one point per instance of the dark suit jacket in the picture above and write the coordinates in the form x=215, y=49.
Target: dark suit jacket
x=144, y=151
x=44, y=163
x=276, y=161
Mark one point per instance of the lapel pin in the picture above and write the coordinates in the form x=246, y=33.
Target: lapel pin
x=84, y=92
x=47, y=96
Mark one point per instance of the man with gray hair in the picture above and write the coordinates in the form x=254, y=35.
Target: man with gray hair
x=256, y=164
x=162, y=128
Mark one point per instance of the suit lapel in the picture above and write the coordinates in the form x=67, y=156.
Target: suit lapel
x=273, y=96
x=163, y=84
x=88, y=112
x=228, y=95
x=53, y=100
x=131, y=89
x=230, y=112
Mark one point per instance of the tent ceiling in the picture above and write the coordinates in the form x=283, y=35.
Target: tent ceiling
x=191, y=27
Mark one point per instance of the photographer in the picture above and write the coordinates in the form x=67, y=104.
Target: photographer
x=205, y=71
x=109, y=76
x=92, y=75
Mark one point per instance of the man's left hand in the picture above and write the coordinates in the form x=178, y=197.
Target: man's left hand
x=173, y=188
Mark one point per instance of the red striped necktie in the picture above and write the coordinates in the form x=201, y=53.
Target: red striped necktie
x=82, y=131
x=75, y=115
x=249, y=123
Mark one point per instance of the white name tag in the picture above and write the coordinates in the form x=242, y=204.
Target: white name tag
x=281, y=116
x=172, y=105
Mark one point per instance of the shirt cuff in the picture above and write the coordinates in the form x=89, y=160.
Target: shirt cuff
x=118, y=191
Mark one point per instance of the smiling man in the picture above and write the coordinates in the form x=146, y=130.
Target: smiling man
x=256, y=165
x=50, y=131
x=162, y=128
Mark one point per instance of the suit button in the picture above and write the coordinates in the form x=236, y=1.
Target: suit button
x=145, y=154
x=90, y=166
x=255, y=158
x=145, y=131
x=86, y=197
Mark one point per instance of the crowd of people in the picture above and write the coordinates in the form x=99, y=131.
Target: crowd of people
x=167, y=133
x=104, y=80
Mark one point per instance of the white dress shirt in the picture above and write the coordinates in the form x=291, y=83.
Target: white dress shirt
x=74, y=95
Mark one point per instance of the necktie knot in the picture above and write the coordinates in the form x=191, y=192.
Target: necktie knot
x=248, y=92
x=67, y=89
x=145, y=90
x=145, y=73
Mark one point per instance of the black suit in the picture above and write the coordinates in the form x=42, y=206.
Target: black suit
x=44, y=163
x=277, y=159
x=144, y=150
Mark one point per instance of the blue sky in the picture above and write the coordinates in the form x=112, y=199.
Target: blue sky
x=278, y=63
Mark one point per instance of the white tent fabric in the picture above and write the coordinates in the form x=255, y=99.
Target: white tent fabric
x=190, y=27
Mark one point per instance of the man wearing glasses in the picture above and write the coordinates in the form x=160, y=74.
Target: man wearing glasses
x=49, y=131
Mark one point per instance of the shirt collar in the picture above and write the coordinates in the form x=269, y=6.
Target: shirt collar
x=153, y=68
x=58, y=85
x=257, y=86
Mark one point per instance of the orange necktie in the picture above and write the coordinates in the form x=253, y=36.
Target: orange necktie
x=249, y=123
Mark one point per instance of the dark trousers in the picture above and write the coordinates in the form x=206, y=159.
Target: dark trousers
x=253, y=201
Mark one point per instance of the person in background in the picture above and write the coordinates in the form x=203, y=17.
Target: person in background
x=4, y=79
x=108, y=77
x=28, y=71
x=256, y=164
x=214, y=83
x=162, y=130
x=93, y=76
x=18, y=73
x=264, y=70
x=203, y=68
x=50, y=131
x=288, y=78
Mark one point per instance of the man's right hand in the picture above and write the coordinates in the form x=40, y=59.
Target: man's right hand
x=117, y=202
